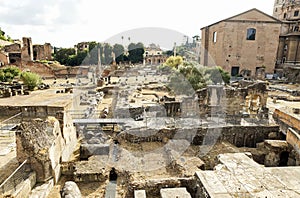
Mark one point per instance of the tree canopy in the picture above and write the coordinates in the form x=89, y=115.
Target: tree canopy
x=174, y=61
x=68, y=56
x=186, y=77
x=119, y=52
x=136, y=52
x=3, y=37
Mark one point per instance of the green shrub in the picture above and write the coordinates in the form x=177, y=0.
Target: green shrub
x=7, y=74
x=32, y=80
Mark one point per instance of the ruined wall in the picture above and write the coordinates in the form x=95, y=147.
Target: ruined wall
x=19, y=183
x=274, y=149
x=40, y=68
x=293, y=138
x=247, y=98
x=40, y=142
x=4, y=59
x=27, y=49
x=42, y=52
x=286, y=120
x=31, y=112
x=67, y=129
x=12, y=48
x=240, y=136
x=291, y=73
x=69, y=135
x=9, y=110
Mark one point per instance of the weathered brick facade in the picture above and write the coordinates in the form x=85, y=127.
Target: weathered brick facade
x=225, y=43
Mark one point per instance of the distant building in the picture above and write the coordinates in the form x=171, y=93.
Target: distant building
x=244, y=42
x=278, y=12
x=42, y=52
x=3, y=58
x=82, y=46
x=14, y=53
x=288, y=56
x=154, y=55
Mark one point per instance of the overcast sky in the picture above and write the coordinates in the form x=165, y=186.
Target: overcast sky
x=64, y=23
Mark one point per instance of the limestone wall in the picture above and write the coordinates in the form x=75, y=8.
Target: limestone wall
x=20, y=183
x=41, y=143
x=153, y=186
x=69, y=135
x=247, y=98
x=285, y=120
x=293, y=138
x=9, y=110
x=241, y=136
x=31, y=112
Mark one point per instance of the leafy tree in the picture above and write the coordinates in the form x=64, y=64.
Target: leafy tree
x=136, y=52
x=218, y=75
x=75, y=60
x=63, y=55
x=107, y=50
x=188, y=76
x=32, y=80
x=92, y=57
x=195, y=75
x=2, y=33
x=174, y=61
x=168, y=53
x=119, y=52
x=7, y=74
x=92, y=45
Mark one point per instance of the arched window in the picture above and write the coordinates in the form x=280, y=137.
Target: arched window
x=251, y=32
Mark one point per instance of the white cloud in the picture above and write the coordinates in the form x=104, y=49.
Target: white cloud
x=65, y=22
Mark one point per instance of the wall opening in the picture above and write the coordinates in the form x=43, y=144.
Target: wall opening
x=235, y=71
x=251, y=33
x=214, y=37
x=284, y=157
x=113, y=176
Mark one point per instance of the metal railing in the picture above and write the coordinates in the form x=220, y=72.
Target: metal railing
x=18, y=176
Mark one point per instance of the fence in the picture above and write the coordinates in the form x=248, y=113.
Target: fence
x=17, y=177
x=7, y=125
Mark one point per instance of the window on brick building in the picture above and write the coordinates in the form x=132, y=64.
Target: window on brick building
x=296, y=13
x=251, y=33
x=215, y=37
